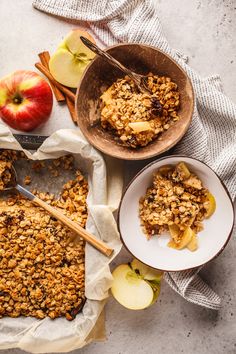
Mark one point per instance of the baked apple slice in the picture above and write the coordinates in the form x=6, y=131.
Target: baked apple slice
x=193, y=244
x=188, y=234
x=139, y=127
x=210, y=205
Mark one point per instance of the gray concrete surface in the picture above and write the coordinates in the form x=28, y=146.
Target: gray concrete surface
x=205, y=31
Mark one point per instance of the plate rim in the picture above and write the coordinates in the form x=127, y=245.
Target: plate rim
x=144, y=169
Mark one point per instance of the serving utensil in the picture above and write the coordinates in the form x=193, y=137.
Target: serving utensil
x=99, y=75
x=30, y=142
x=101, y=246
x=141, y=81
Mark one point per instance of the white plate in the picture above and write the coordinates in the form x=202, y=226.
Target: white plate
x=155, y=252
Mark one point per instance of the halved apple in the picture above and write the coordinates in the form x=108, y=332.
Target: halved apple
x=71, y=58
x=157, y=290
x=210, y=205
x=146, y=272
x=131, y=289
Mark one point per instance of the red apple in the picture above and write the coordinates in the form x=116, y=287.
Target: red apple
x=25, y=100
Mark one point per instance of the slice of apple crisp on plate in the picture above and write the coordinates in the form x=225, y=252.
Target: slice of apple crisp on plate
x=176, y=202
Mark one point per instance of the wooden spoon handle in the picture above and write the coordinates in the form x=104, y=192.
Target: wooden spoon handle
x=111, y=60
x=101, y=246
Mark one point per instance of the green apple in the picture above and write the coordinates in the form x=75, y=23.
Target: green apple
x=132, y=290
x=145, y=271
x=67, y=64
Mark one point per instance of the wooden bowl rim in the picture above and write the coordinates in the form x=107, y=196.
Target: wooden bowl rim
x=135, y=156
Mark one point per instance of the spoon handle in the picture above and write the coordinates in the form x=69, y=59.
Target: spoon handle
x=101, y=246
x=94, y=48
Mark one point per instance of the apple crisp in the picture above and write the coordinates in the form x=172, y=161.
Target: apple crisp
x=7, y=157
x=42, y=270
x=130, y=114
x=5, y=174
x=176, y=202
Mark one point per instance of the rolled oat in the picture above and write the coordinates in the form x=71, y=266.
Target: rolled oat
x=130, y=114
x=42, y=270
x=176, y=202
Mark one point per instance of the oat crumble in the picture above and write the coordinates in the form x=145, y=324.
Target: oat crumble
x=176, y=202
x=5, y=174
x=42, y=270
x=27, y=180
x=129, y=114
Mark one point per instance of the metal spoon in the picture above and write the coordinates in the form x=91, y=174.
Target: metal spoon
x=101, y=246
x=141, y=81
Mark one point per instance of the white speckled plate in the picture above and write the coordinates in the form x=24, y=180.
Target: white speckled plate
x=155, y=252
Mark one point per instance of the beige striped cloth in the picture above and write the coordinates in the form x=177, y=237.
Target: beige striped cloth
x=212, y=134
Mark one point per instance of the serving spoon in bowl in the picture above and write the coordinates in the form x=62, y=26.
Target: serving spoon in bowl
x=140, y=81
x=99, y=245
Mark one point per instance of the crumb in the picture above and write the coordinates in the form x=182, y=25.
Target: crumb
x=27, y=180
x=38, y=165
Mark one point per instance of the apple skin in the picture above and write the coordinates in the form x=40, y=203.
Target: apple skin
x=25, y=100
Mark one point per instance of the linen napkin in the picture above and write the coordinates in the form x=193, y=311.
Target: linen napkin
x=212, y=134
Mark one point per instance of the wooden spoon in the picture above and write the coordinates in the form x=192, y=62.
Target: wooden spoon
x=99, y=245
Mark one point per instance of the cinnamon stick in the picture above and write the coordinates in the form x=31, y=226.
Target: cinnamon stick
x=65, y=90
x=71, y=108
x=44, y=58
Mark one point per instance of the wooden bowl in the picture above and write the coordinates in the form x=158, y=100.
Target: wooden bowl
x=99, y=75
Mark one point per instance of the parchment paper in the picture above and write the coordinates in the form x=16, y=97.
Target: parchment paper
x=60, y=335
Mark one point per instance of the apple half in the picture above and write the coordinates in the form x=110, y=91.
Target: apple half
x=67, y=64
x=145, y=271
x=135, y=285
